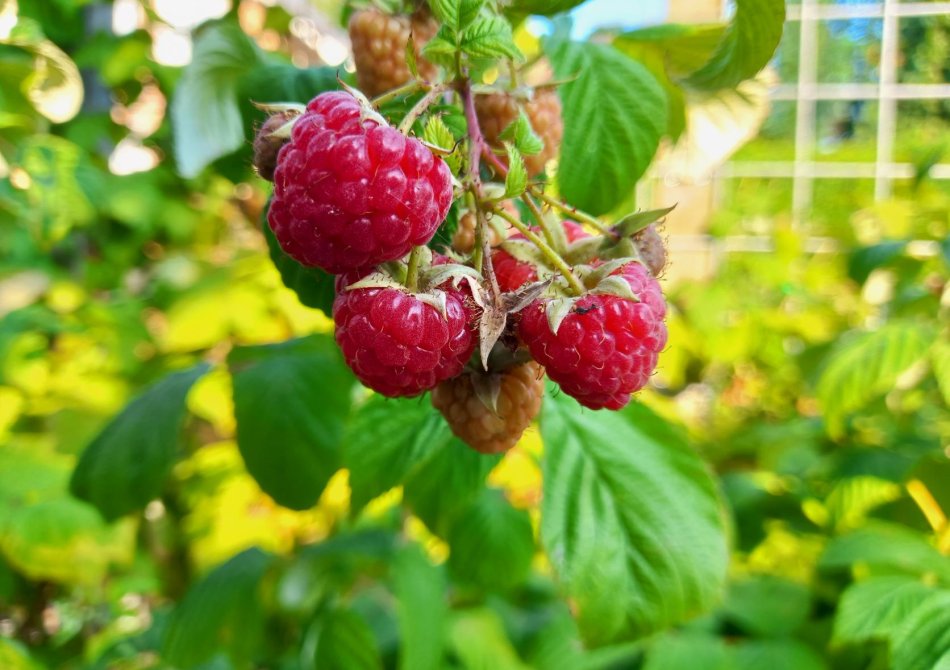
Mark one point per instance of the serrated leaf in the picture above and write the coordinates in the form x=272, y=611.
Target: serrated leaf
x=457, y=14
x=206, y=118
x=291, y=403
x=222, y=612
x=923, y=639
x=516, y=181
x=875, y=608
x=441, y=48
x=631, y=520
x=747, y=46
x=489, y=37
x=421, y=608
x=522, y=135
x=127, y=464
x=866, y=366
x=346, y=642
x=437, y=133
x=313, y=286
x=491, y=543
x=386, y=440
x=614, y=115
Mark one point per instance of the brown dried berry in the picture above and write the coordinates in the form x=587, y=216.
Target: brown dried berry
x=519, y=390
x=266, y=146
x=379, y=48
x=498, y=110
x=652, y=249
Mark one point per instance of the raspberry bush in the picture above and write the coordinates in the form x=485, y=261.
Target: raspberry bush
x=462, y=211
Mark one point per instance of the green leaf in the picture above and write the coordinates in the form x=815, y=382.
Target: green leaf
x=867, y=366
x=516, y=181
x=441, y=48
x=291, y=403
x=615, y=112
x=875, y=608
x=621, y=491
x=457, y=14
x=940, y=362
x=479, y=639
x=386, y=440
x=778, y=654
x=222, y=612
x=283, y=82
x=421, y=608
x=865, y=260
x=442, y=486
x=491, y=543
x=63, y=540
x=127, y=464
x=14, y=656
x=888, y=546
x=747, y=46
x=681, y=48
x=923, y=640
x=686, y=650
x=490, y=37
x=522, y=135
x=346, y=643
x=313, y=286
x=767, y=606
x=205, y=115
x=544, y=7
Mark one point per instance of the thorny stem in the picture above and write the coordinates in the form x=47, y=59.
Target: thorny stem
x=573, y=211
x=412, y=273
x=420, y=107
x=406, y=89
x=550, y=255
x=476, y=142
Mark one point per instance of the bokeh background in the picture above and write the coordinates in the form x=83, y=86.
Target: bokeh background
x=808, y=358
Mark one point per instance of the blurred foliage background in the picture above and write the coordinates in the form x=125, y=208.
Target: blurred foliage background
x=816, y=384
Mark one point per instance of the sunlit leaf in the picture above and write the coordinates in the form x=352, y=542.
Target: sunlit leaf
x=875, y=608
x=887, y=547
x=923, y=638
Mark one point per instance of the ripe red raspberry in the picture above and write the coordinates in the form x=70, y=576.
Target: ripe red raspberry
x=512, y=274
x=519, y=401
x=607, y=346
x=498, y=110
x=398, y=345
x=379, y=48
x=350, y=193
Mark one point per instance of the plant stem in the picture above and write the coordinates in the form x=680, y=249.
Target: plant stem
x=406, y=89
x=550, y=255
x=420, y=107
x=412, y=273
x=573, y=211
x=549, y=235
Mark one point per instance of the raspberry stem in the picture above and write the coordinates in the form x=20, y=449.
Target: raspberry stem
x=549, y=235
x=573, y=211
x=412, y=272
x=420, y=107
x=552, y=256
x=406, y=89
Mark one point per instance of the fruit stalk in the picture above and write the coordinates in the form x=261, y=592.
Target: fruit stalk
x=420, y=107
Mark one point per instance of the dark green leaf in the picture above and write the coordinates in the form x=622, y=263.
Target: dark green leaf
x=747, y=46
x=867, y=259
x=386, y=440
x=346, y=643
x=221, y=613
x=127, y=464
x=614, y=115
x=491, y=542
x=291, y=402
x=631, y=520
x=205, y=114
x=313, y=286
x=422, y=610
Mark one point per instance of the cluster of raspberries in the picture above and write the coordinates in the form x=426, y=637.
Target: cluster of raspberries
x=353, y=196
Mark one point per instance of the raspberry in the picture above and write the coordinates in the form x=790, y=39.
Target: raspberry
x=398, y=345
x=607, y=346
x=379, y=48
x=512, y=274
x=463, y=240
x=498, y=110
x=519, y=401
x=266, y=147
x=351, y=193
